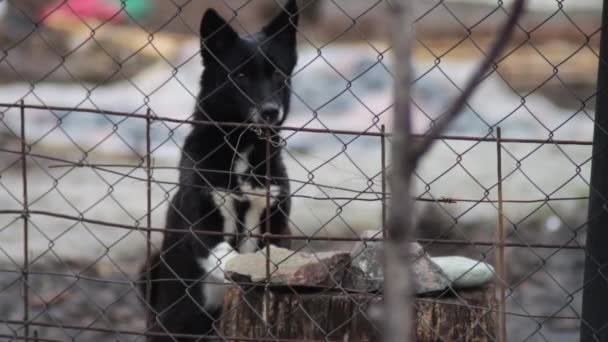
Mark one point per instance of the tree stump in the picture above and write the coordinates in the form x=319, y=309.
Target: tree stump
x=312, y=315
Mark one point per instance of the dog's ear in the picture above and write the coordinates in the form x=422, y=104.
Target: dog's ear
x=216, y=35
x=285, y=26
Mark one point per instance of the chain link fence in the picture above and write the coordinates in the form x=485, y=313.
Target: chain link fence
x=96, y=104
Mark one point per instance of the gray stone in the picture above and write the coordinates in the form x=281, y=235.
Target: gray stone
x=360, y=270
x=464, y=273
x=366, y=271
x=428, y=277
x=289, y=268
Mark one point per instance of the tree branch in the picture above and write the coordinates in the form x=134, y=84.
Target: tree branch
x=489, y=62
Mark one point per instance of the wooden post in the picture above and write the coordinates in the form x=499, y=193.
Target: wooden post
x=333, y=315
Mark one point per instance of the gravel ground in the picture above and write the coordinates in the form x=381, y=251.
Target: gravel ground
x=71, y=295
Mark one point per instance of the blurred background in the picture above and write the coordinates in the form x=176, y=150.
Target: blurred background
x=135, y=55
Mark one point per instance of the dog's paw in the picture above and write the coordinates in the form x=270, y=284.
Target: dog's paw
x=213, y=282
x=215, y=264
x=223, y=251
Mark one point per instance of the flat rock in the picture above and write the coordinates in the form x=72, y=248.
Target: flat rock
x=465, y=273
x=289, y=267
x=366, y=271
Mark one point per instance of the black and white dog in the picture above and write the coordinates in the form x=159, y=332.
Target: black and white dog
x=223, y=172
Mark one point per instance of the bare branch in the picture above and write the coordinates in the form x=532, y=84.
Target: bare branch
x=489, y=62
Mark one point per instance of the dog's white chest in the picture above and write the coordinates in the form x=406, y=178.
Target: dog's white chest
x=255, y=200
x=258, y=200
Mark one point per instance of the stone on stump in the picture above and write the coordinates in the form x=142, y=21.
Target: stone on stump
x=328, y=297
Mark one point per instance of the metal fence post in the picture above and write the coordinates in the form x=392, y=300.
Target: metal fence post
x=148, y=160
x=501, y=333
x=594, y=324
x=26, y=215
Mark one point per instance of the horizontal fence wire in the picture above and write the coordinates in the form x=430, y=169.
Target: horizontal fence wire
x=287, y=128
x=276, y=236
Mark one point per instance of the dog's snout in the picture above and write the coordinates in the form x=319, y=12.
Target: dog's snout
x=270, y=112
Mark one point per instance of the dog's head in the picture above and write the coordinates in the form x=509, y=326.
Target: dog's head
x=247, y=79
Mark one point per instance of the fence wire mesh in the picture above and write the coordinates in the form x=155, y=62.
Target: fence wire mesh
x=96, y=104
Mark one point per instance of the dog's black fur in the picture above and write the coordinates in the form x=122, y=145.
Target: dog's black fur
x=245, y=80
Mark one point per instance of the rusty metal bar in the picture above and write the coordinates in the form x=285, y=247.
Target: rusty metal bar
x=267, y=142
x=289, y=237
x=383, y=171
x=268, y=184
x=267, y=242
x=447, y=200
x=500, y=249
x=26, y=248
x=148, y=215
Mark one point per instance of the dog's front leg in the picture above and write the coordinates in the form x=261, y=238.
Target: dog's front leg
x=214, y=282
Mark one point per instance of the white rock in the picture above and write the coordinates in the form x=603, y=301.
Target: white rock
x=465, y=273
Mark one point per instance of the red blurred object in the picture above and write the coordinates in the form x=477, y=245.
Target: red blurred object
x=102, y=10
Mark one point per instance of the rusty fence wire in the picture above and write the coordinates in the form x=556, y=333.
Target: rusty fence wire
x=95, y=107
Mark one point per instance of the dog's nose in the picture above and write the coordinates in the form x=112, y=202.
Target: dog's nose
x=270, y=112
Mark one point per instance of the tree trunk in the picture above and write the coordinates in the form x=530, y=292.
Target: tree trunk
x=285, y=313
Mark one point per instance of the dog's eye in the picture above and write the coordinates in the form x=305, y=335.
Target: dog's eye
x=241, y=76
